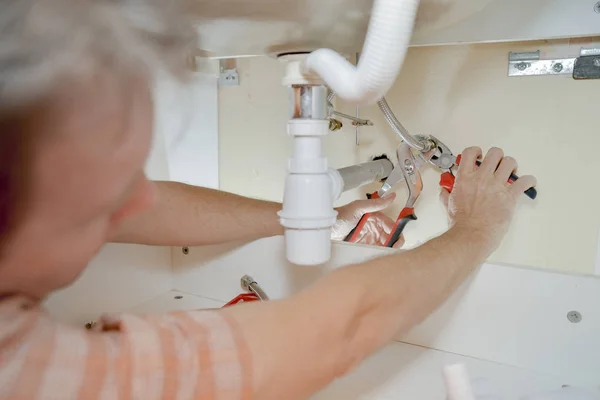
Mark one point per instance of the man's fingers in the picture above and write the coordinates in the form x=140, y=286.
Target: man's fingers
x=468, y=159
x=522, y=184
x=492, y=160
x=507, y=166
x=384, y=222
x=374, y=205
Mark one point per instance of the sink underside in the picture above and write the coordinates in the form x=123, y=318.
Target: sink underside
x=265, y=26
x=256, y=27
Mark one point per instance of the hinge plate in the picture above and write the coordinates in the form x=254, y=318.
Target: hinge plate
x=587, y=66
x=528, y=64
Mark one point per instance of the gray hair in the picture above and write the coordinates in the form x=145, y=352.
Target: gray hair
x=42, y=41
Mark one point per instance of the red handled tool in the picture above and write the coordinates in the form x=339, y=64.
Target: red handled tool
x=242, y=298
x=406, y=215
x=354, y=234
x=407, y=169
x=253, y=292
x=414, y=183
x=447, y=179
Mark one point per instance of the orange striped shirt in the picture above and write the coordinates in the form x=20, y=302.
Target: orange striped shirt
x=184, y=355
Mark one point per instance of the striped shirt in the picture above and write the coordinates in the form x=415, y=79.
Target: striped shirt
x=184, y=355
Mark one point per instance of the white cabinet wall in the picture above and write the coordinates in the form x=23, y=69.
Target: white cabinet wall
x=463, y=96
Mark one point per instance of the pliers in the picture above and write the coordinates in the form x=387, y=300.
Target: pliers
x=406, y=170
x=445, y=160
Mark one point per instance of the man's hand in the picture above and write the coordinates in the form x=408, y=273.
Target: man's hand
x=482, y=201
x=377, y=228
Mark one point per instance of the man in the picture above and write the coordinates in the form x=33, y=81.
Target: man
x=75, y=130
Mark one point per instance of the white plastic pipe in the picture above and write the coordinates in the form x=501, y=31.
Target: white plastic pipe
x=310, y=190
x=458, y=384
x=307, y=212
x=359, y=175
x=388, y=37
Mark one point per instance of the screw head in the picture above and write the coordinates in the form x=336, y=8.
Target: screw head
x=90, y=325
x=335, y=125
x=178, y=297
x=574, y=317
x=522, y=66
x=557, y=67
x=185, y=250
x=596, y=62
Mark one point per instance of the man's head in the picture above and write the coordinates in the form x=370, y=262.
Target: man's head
x=75, y=128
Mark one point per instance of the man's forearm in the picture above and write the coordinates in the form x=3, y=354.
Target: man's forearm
x=347, y=315
x=191, y=216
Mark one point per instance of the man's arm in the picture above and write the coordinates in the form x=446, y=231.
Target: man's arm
x=187, y=215
x=285, y=349
x=300, y=344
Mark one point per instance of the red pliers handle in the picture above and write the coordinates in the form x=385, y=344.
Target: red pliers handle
x=406, y=170
x=447, y=180
x=405, y=216
x=242, y=298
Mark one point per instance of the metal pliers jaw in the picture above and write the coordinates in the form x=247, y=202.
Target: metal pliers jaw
x=407, y=170
x=443, y=159
x=442, y=156
x=407, y=167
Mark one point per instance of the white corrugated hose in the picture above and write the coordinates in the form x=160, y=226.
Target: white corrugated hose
x=388, y=37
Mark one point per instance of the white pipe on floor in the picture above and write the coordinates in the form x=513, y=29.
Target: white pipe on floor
x=386, y=43
x=458, y=384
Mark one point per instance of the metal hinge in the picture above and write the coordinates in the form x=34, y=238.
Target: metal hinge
x=586, y=66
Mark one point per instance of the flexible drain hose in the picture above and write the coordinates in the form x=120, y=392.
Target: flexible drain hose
x=385, y=47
